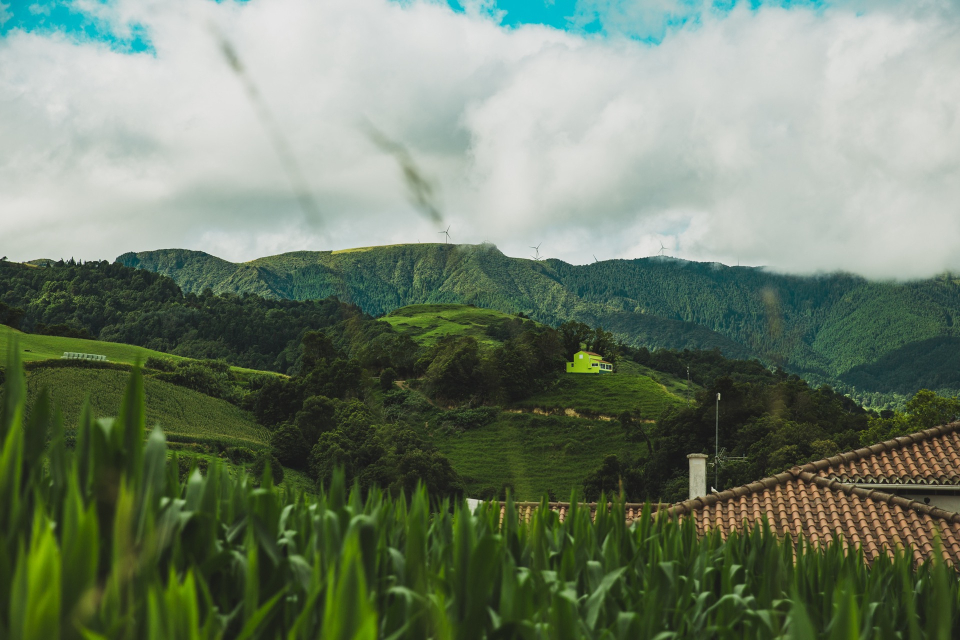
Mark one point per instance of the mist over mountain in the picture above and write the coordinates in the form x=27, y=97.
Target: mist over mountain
x=866, y=337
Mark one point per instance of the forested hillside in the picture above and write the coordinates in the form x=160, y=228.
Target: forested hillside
x=111, y=302
x=863, y=337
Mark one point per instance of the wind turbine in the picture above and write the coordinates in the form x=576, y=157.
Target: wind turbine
x=446, y=234
x=662, y=248
x=537, y=249
x=595, y=259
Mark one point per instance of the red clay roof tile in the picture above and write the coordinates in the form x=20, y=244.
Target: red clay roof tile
x=927, y=457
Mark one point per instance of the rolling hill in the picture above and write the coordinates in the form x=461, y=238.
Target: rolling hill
x=36, y=347
x=183, y=414
x=827, y=328
x=632, y=388
x=427, y=323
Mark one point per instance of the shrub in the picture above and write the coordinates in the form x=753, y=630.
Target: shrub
x=471, y=418
x=260, y=465
x=241, y=455
x=200, y=377
x=160, y=364
x=187, y=463
x=63, y=331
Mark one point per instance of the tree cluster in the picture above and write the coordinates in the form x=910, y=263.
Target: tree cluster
x=111, y=302
x=765, y=427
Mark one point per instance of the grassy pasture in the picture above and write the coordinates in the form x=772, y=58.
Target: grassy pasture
x=34, y=347
x=533, y=454
x=606, y=394
x=182, y=412
x=428, y=323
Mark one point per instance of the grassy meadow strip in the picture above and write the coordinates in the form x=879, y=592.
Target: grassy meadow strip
x=105, y=541
x=184, y=413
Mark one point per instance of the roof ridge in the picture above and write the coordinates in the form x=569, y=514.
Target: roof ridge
x=887, y=445
x=879, y=496
x=799, y=473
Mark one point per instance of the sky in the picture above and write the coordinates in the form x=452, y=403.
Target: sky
x=804, y=136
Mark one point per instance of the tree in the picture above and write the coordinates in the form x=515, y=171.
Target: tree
x=610, y=478
x=318, y=416
x=603, y=342
x=318, y=348
x=455, y=373
x=429, y=467
x=924, y=411
x=289, y=446
x=574, y=335
x=274, y=399
x=11, y=316
x=341, y=378
x=387, y=378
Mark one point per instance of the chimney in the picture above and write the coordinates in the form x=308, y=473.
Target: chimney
x=698, y=475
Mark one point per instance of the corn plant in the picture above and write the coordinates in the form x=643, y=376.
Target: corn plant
x=105, y=541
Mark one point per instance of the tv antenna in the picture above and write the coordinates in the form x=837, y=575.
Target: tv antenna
x=446, y=234
x=537, y=256
x=721, y=457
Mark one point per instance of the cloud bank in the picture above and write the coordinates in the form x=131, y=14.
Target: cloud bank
x=803, y=139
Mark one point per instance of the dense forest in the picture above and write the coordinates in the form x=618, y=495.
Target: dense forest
x=108, y=301
x=858, y=336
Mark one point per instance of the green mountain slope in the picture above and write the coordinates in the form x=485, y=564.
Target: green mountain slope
x=821, y=327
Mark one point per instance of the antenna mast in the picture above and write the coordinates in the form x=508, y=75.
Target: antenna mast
x=716, y=442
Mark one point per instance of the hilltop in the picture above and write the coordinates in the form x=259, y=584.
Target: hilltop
x=428, y=323
x=633, y=388
x=841, y=329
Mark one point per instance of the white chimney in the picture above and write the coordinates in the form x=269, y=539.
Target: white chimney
x=698, y=475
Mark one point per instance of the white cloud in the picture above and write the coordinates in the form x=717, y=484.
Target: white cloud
x=802, y=140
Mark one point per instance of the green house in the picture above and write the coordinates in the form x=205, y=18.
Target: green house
x=588, y=362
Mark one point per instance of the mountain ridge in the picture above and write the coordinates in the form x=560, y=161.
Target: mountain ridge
x=823, y=326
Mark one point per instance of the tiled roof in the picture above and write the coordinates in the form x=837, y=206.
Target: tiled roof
x=815, y=500
x=930, y=457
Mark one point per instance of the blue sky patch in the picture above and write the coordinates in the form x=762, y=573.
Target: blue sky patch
x=621, y=17
x=604, y=17
x=49, y=16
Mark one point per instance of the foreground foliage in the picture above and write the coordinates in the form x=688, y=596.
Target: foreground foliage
x=105, y=541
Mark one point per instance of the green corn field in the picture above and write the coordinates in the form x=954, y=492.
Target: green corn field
x=104, y=541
